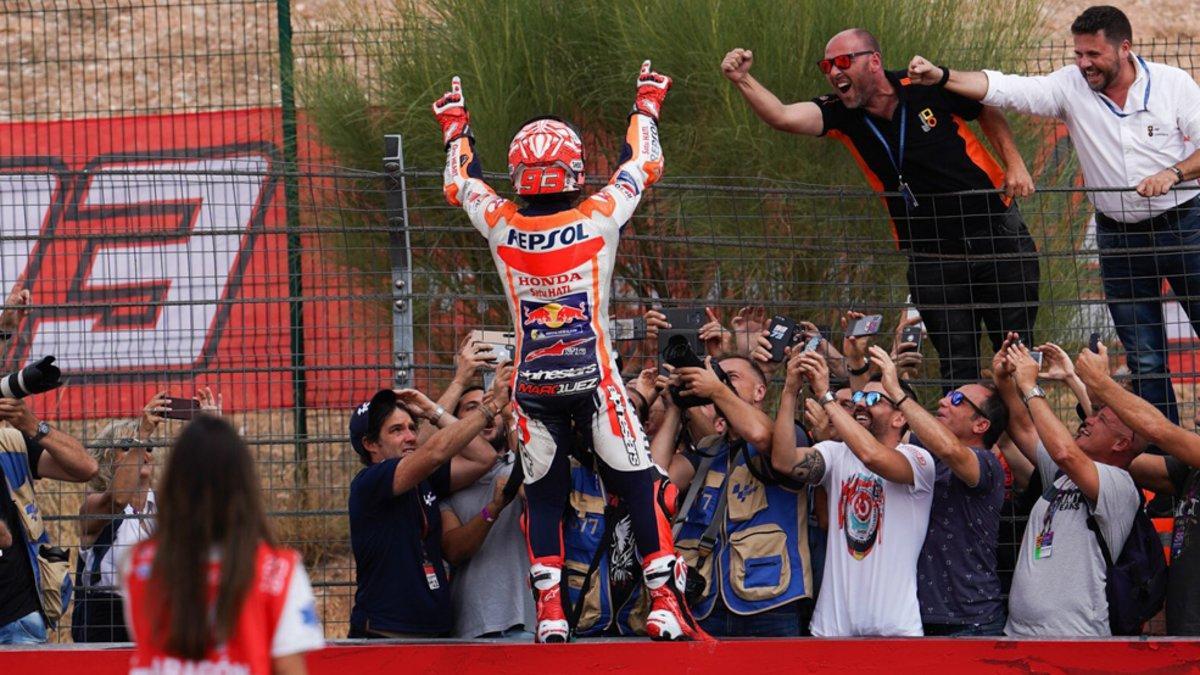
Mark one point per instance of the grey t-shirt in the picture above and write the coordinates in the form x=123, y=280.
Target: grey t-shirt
x=1062, y=594
x=490, y=592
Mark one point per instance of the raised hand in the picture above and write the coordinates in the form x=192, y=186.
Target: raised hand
x=652, y=88
x=450, y=111
x=921, y=71
x=736, y=64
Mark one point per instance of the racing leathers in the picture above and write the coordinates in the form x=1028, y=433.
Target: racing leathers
x=556, y=260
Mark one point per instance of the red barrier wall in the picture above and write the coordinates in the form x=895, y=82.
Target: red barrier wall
x=740, y=657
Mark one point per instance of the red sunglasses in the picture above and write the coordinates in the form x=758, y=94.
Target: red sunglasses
x=842, y=61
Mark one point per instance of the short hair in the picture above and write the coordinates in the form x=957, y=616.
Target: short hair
x=995, y=412
x=758, y=371
x=1105, y=18
x=458, y=406
x=866, y=36
x=380, y=408
x=108, y=442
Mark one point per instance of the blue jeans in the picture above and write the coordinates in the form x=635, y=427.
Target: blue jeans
x=1134, y=259
x=791, y=620
x=995, y=627
x=27, y=630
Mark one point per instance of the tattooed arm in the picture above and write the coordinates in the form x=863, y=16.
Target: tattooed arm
x=804, y=465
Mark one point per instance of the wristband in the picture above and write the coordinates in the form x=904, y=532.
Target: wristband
x=487, y=515
x=828, y=397
x=945, y=76
x=438, y=412
x=1178, y=177
x=901, y=401
x=859, y=371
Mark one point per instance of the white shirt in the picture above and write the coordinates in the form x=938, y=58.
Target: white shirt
x=876, y=530
x=1160, y=127
x=130, y=531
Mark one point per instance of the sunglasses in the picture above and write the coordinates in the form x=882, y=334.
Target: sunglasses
x=870, y=398
x=957, y=398
x=842, y=61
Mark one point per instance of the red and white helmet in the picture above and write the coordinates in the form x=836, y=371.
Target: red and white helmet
x=546, y=158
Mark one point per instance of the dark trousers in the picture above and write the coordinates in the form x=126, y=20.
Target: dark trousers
x=957, y=294
x=1135, y=258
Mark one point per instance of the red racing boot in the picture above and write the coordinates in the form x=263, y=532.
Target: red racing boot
x=545, y=575
x=669, y=617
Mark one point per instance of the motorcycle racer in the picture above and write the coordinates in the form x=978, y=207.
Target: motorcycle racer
x=555, y=254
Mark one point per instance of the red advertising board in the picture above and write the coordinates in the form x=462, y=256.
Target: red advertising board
x=156, y=253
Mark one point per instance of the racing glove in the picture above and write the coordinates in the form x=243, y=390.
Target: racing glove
x=651, y=90
x=451, y=113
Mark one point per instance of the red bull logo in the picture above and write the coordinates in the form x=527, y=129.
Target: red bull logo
x=555, y=315
x=560, y=348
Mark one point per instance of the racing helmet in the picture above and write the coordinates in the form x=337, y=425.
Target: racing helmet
x=546, y=158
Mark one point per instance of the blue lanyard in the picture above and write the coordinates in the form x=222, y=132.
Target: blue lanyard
x=1145, y=98
x=897, y=160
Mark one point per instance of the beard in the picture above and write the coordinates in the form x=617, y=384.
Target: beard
x=1101, y=78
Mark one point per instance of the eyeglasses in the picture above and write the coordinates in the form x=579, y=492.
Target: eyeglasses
x=870, y=398
x=842, y=61
x=957, y=398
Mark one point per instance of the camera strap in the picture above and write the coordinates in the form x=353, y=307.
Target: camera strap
x=612, y=515
x=708, y=540
x=697, y=485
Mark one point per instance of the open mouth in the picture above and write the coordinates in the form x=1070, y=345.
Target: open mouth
x=862, y=418
x=843, y=86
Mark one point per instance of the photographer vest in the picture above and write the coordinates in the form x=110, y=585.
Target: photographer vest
x=760, y=555
x=51, y=566
x=587, y=520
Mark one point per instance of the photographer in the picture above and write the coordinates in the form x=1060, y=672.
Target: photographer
x=395, y=519
x=748, y=564
x=867, y=589
x=118, y=512
x=33, y=573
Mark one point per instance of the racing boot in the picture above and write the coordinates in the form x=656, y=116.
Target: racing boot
x=545, y=576
x=669, y=617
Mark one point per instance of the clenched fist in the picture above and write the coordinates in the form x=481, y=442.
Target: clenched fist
x=736, y=64
x=921, y=71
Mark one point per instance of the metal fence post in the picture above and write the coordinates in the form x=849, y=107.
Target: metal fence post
x=400, y=253
x=294, y=245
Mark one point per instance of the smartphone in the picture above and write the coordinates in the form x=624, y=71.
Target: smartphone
x=628, y=329
x=1094, y=343
x=685, y=321
x=781, y=332
x=864, y=326
x=1037, y=358
x=813, y=343
x=181, y=408
x=501, y=345
x=912, y=334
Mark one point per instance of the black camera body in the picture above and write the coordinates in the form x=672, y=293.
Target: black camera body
x=36, y=378
x=678, y=353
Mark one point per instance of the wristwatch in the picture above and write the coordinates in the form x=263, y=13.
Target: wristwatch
x=1178, y=174
x=828, y=397
x=42, y=430
x=1034, y=392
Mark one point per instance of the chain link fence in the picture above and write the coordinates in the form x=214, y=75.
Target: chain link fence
x=179, y=226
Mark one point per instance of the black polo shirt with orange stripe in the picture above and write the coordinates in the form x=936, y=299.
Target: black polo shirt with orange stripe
x=941, y=155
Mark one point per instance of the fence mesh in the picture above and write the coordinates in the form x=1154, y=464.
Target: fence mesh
x=175, y=235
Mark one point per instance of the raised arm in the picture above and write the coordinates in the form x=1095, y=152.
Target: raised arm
x=936, y=437
x=806, y=465
x=1060, y=445
x=462, y=181
x=64, y=457
x=889, y=463
x=461, y=541
x=1020, y=424
x=1137, y=414
x=1038, y=95
x=798, y=118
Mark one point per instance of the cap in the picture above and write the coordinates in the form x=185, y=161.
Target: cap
x=358, y=427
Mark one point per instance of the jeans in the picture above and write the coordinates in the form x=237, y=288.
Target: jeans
x=791, y=620
x=1135, y=258
x=27, y=630
x=995, y=627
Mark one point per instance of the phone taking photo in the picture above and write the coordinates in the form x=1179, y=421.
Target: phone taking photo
x=1094, y=343
x=685, y=321
x=912, y=334
x=782, y=334
x=181, y=408
x=628, y=329
x=864, y=326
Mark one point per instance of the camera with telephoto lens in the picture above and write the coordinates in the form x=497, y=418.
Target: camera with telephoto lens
x=693, y=587
x=35, y=378
x=679, y=353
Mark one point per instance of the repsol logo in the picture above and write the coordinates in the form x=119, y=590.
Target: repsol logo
x=544, y=241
